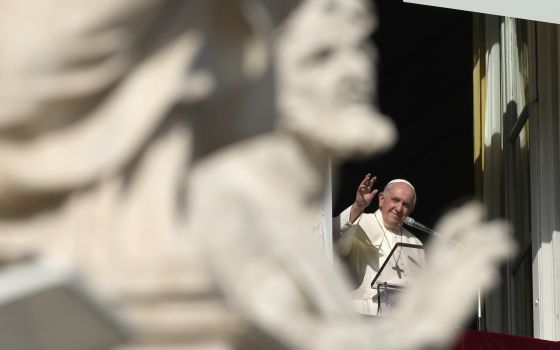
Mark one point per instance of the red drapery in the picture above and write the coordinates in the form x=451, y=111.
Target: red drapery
x=475, y=340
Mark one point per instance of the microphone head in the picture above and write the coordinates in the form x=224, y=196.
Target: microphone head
x=409, y=221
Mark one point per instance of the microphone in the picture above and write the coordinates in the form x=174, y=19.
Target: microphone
x=413, y=223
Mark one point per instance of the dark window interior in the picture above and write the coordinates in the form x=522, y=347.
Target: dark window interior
x=424, y=77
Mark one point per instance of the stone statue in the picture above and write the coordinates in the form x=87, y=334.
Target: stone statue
x=174, y=153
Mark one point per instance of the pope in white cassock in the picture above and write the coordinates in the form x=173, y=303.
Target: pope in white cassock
x=365, y=240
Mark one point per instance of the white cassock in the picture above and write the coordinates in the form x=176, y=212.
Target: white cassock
x=364, y=246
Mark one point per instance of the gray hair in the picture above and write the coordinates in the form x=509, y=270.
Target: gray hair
x=392, y=182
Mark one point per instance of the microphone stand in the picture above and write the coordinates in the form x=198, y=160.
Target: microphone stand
x=413, y=223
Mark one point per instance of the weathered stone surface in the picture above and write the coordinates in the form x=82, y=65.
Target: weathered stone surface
x=174, y=153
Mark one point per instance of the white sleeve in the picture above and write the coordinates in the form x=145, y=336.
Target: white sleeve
x=343, y=232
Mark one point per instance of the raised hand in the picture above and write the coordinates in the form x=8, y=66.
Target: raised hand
x=364, y=195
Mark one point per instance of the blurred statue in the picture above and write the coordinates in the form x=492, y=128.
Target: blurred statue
x=175, y=152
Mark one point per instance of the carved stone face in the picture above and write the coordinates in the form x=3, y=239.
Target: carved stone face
x=326, y=78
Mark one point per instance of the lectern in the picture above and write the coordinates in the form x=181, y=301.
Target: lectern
x=399, y=268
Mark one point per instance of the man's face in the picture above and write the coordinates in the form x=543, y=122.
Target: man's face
x=396, y=204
